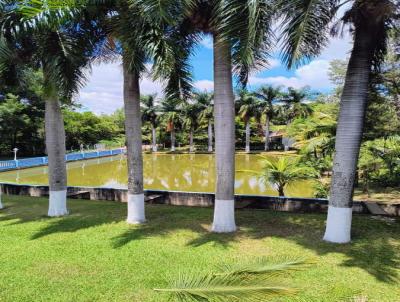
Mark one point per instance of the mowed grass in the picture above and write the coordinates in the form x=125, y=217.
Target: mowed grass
x=93, y=255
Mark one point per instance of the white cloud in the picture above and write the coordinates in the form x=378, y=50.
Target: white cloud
x=103, y=94
x=314, y=75
x=204, y=85
x=207, y=42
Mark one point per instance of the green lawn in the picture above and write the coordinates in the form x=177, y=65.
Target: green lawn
x=93, y=255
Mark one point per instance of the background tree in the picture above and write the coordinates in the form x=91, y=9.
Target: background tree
x=149, y=115
x=267, y=95
x=206, y=115
x=248, y=107
x=295, y=106
x=170, y=115
x=191, y=112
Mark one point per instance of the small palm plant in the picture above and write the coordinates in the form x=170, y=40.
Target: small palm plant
x=253, y=281
x=283, y=171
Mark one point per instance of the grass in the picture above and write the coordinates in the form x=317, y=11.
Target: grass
x=93, y=255
x=382, y=194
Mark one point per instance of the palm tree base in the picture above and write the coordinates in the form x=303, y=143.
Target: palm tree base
x=338, y=225
x=247, y=150
x=136, y=209
x=154, y=148
x=57, y=203
x=210, y=149
x=224, y=216
x=1, y=205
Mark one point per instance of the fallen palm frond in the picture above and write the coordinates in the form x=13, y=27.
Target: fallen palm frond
x=243, y=281
x=221, y=288
x=266, y=267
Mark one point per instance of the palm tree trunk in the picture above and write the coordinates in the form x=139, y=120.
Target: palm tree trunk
x=348, y=136
x=1, y=192
x=173, y=139
x=133, y=132
x=266, y=147
x=154, y=137
x=281, y=191
x=191, y=147
x=247, y=136
x=210, y=137
x=224, y=121
x=55, y=145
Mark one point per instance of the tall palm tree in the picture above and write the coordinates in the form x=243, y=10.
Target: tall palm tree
x=294, y=103
x=62, y=50
x=241, y=32
x=149, y=114
x=1, y=192
x=370, y=21
x=267, y=96
x=191, y=112
x=248, y=107
x=206, y=115
x=171, y=115
x=118, y=19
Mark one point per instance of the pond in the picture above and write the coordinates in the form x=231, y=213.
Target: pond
x=175, y=172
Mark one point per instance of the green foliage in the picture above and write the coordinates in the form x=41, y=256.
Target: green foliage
x=252, y=281
x=88, y=129
x=380, y=161
x=315, y=134
x=284, y=171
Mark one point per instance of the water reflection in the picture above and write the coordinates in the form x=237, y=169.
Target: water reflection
x=180, y=172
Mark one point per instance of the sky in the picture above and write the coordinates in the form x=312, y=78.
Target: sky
x=103, y=91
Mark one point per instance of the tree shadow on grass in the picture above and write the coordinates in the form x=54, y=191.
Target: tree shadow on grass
x=83, y=215
x=164, y=220
x=375, y=247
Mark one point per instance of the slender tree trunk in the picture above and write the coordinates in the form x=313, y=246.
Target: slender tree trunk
x=348, y=136
x=133, y=132
x=210, y=137
x=1, y=192
x=173, y=139
x=191, y=147
x=55, y=145
x=247, y=149
x=224, y=121
x=154, y=137
x=281, y=191
x=266, y=147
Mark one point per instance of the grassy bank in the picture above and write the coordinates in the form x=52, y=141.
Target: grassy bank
x=93, y=255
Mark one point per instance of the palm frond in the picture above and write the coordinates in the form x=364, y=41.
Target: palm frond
x=305, y=28
x=266, y=267
x=222, y=288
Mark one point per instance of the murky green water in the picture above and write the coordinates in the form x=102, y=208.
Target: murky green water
x=181, y=172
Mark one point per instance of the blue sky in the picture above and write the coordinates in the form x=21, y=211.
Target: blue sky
x=103, y=92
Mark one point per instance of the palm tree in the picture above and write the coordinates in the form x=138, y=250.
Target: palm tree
x=283, y=171
x=118, y=18
x=267, y=96
x=246, y=25
x=191, y=112
x=249, y=281
x=206, y=115
x=294, y=103
x=248, y=107
x=1, y=192
x=370, y=21
x=63, y=51
x=149, y=114
x=171, y=115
